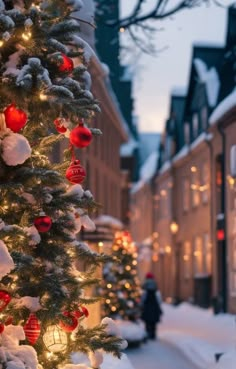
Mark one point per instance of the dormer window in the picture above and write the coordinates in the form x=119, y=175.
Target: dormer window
x=195, y=125
x=186, y=133
x=204, y=117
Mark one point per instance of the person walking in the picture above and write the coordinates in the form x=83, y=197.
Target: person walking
x=151, y=310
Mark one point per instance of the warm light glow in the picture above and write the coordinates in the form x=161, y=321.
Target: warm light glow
x=186, y=257
x=155, y=258
x=122, y=29
x=115, y=248
x=43, y=97
x=100, y=244
x=193, y=169
x=155, y=234
x=134, y=262
x=108, y=301
x=1, y=43
x=127, y=285
x=55, y=339
x=163, y=192
x=113, y=308
x=168, y=249
x=197, y=253
x=174, y=227
x=128, y=267
x=109, y=285
x=26, y=36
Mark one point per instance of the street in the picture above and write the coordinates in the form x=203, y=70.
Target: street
x=157, y=355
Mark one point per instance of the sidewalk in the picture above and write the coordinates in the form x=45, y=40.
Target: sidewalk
x=199, y=335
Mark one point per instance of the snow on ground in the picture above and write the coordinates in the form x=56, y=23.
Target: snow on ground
x=200, y=335
x=111, y=362
x=131, y=332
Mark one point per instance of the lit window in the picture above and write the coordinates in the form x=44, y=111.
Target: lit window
x=195, y=194
x=187, y=260
x=186, y=193
x=198, y=256
x=205, y=183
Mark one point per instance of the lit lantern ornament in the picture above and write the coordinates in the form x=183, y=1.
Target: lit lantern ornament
x=5, y=298
x=59, y=125
x=75, y=173
x=32, y=329
x=43, y=223
x=55, y=339
x=66, y=65
x=80, y=136
x=71, y=325
x=15, y=118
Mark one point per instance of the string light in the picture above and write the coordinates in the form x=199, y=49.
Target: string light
x=1, y=43
x=26, y=36
x=109, y=285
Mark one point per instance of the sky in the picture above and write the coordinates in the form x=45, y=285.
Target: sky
x=155, y=77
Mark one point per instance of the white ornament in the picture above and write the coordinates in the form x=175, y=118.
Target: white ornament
x=15, y=149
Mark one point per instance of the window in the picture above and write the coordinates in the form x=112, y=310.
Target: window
x=186, y=133
x=195, y=195
x=195, y=125
x=205, y=185
x=207, y=254
x=186, y=193
x=233, y=268
x=204, y=117
x=187, y=260
x=218, y=180
x=198, y=256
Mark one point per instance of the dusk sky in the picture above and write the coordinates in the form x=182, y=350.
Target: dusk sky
x=155, y=77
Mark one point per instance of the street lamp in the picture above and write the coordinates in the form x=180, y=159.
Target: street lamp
x=174, y=227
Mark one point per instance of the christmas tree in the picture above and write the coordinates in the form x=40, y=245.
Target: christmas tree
x=45, y=98
x=121, y=285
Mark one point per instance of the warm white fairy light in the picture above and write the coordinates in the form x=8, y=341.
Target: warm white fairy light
x=26, y=36
x=1, y=43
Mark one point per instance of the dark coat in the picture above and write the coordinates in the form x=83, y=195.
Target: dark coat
x=151, y=309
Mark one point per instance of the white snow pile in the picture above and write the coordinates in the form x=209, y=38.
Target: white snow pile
x=7, y=263
x=14, y=355
x=210, y=78
x=200, y=334
x=130, y=331
x=108, y=221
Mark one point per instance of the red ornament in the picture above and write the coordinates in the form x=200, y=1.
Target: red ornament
x=67, y=64
x=43, y=223
x=1, y=327
x=68, y=327
x=32, y=329
x=59, y=125
x=9, y=320
x=15, y=118
x=83, y=311
x=75, y=173
x=5, y=298
x=80, y=136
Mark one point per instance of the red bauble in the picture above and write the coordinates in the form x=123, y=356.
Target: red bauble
x=67, y=64
x=68, y=327
x=1, y=328
x=83, y=311
x=5, y=298
x=75, y=173
x=32, y=329
x=59, y=125
x=15, y=118
x=9, y=320
x=43, y=223
x=80, y=136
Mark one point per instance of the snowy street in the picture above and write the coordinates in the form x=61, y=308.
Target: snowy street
x=158, y=355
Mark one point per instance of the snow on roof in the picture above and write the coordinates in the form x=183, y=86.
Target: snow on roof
x=179, y=91
x=149, y=142
x=181, y=154
x=108, y=220
x=210, y=78
x=149, y=167
x=228, y=103
x=128, y=148
x=166, y=166
x=147, y=171
x=201, y=138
